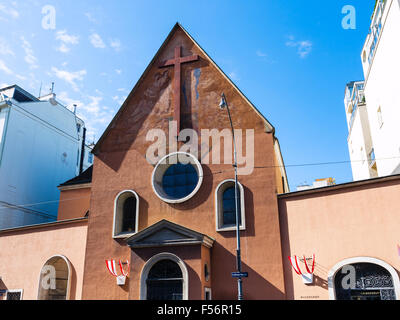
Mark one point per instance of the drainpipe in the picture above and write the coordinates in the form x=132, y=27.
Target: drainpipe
x=82, y=151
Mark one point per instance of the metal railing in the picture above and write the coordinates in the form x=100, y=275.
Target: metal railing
x=371, y=158
x=375, y=29
x=357, y=97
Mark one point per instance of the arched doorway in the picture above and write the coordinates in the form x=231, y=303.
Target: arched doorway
x=165, y=281
x=54, y=280
x=363, y=279
x=164, y=277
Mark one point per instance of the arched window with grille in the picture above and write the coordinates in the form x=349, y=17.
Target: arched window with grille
x=165, y=281
x=363, y=278
x=55, y=279
x=164, y=277
x=126, y=214
x=225, y=206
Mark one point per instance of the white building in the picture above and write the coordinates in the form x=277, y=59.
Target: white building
x=374, y=130
x=359, y=141
x=40, y=147
x=318, y=183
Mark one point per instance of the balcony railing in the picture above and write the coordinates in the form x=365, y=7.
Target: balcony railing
x=371, y=158
x=357, y=97
x=375, y=29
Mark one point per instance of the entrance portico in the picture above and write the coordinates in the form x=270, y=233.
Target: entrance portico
x=169, y=262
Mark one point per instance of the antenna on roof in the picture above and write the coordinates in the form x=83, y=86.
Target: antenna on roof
x=52, y=87
x=40, y=90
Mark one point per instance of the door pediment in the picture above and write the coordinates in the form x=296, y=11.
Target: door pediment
x=166, y=233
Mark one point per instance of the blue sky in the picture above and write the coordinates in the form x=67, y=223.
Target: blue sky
x=292, y=59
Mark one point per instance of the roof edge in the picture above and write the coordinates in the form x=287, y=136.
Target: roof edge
x=341, y=186
x=43, y=225
x=269, y=127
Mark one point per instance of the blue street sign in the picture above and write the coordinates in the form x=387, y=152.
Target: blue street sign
x=240, y=274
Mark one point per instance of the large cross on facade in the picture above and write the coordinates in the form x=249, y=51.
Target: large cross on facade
x=177, y=62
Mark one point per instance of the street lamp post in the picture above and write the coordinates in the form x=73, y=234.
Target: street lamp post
x=223, y=104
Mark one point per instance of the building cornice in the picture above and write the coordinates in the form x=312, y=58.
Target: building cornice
x=75, y=186
x=43, y=225
x=342, y=186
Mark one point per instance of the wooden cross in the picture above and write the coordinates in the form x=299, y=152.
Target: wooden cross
x=177, y=62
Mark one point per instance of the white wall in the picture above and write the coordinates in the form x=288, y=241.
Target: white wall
x=382, y=89
x=41, y=148
x=359, y=142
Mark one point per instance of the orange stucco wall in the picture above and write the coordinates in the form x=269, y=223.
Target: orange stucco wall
x=120, y=164
x=74, y=203
x=356, y=221
x=191, y=255
x=23, y=253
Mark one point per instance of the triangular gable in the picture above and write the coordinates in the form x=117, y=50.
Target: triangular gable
x=166, y=233
x=268, y=125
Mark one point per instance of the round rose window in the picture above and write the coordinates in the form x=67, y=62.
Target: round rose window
x=177, y=177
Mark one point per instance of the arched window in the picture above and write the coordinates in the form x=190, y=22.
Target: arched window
x=126, y=214
x=55, y=278
x=363, y=279
x=164, y=277
x=165, y=281
x=226, y=208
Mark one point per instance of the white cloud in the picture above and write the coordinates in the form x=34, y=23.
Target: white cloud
x=9, y=11
x=29, y=54
x=64, y=98
x=118, y=71
x=119, y=99
x=63, y=48
x=233, y=75
x=97, y=41
x=115, y=44
x=90, y=17
x=4, y=68
x=70, y=77
x=20, y=77
x=94, y=105
x=260, y=53
x=304, y=47
x=66, y=39
x=5, y=48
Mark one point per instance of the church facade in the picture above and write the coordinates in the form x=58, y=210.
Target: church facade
x=170, y=222
x=183, y=223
